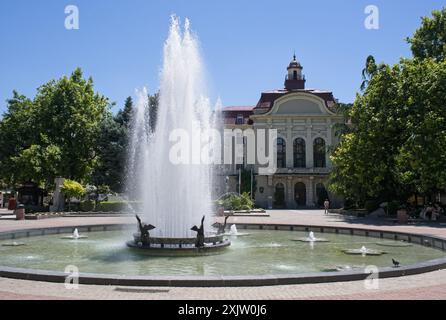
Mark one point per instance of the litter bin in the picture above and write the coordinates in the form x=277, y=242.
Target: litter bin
x=403, y=217
x=20, y=212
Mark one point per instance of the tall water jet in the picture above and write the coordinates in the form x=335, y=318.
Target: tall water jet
x=169, y=171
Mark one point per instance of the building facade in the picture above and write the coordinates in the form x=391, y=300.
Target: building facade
x=304, y=120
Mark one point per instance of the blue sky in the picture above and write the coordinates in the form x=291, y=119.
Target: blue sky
x=246, y=44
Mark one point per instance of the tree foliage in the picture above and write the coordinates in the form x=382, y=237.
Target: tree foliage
x=429, y=41
x=396, y=145
x=113, y=142
x=72, y=189
x=55, y=134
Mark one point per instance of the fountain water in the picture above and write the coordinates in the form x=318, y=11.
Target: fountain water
x=311, y=236
x=75, y=235
x=173, y=180
x=311, y=239
x=363, y=251
x=234, y=232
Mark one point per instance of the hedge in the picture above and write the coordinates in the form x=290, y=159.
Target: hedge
x=117, y=206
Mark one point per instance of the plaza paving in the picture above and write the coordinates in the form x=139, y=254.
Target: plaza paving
x=424, y=286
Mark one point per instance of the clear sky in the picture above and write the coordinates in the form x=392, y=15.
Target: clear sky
x=246, y=44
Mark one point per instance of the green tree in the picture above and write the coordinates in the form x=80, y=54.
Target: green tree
x=429, y=41
x=364, y=161
x=69, y=114
x=111, y=150
x=153, y=110
x=124, y=116
x=421, y=160
x=16, y=135
x=72, y=189
x=398, y=144
x=113, y=142
x=36, y=163
x=55, y=134
x=369, y=70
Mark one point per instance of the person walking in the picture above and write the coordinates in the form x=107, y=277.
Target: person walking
x=1, y=200
x=326, y=206
x=12, y=203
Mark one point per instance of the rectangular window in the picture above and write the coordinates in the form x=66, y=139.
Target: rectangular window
x=240, y=119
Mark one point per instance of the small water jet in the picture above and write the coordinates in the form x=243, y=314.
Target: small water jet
x=363, y=251
x=75, y=236
x=311, y=238
x=234, y=232
x=14, y=244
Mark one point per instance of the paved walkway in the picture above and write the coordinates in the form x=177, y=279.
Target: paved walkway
x=425, y=286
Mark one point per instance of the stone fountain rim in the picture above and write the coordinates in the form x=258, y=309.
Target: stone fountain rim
x=229, y=281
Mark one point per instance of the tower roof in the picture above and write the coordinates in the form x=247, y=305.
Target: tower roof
x=295, y=63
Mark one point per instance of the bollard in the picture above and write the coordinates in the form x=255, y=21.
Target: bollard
x=20, y=212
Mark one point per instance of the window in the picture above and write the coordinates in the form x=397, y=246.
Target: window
x=281, y=153
x=240, y=119
x=319, y=153
x=299, y=153
x=294, y=75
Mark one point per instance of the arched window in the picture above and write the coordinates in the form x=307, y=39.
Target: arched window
x=281, y=153
x=299, y=153
x=319, y=153
x=294, y=75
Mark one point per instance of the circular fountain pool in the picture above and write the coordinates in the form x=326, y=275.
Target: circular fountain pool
x=262, y=253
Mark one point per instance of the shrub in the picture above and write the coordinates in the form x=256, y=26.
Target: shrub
x=236, y=202
x=393, y=207
x=371, y=205
x=73, y=207
x=30, y=209
x=72, y=189
x=109, y=206
x=117, y=206
x=86, y=206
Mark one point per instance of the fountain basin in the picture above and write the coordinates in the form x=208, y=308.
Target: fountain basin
x=179, y=246
x=394, y=244
x=74, y=238
x=368, y=252
x=105, y=259
x=310, y=240
x=13, y=244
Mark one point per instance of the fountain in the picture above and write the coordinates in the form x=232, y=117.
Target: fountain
x=13, y=244
x=234, y=232
x=311, y=238
x=75, y=236
x=363, y=251
x=221, y=227
x=174, y=181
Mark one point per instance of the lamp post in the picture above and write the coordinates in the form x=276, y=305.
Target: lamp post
x=240, y=181
x=252, y=182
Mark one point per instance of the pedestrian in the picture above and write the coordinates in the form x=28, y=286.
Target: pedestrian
x=326, y=206
x=1, y=200
x=12, y=203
